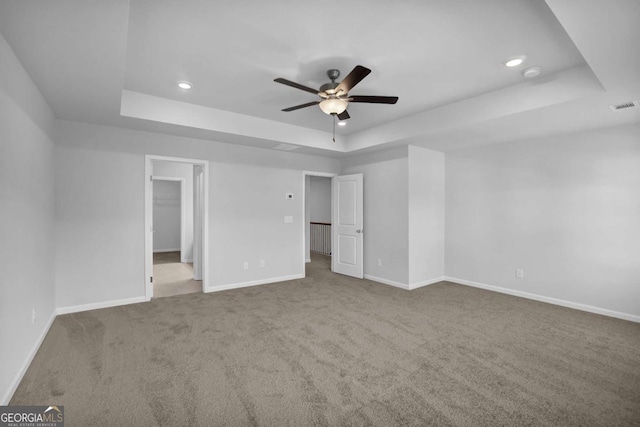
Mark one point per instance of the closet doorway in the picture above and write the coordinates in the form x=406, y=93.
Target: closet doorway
x=176, y=206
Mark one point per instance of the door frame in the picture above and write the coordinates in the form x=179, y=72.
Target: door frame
x=198, y=219
x=183, y=210
x=304, y=221
x=148, y=219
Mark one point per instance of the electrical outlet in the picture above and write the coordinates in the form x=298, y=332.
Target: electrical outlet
x=519, y=273
x=33, y=315
x=245, y=265
x=262, y=263
x=379, y=262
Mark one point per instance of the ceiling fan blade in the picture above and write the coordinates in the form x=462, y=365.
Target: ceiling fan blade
x=344, y=115
x=296, y=85
x=297, y=107
x=374, y=99
x=354, y=77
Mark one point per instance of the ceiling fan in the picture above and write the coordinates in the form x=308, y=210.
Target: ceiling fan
x=334, y=97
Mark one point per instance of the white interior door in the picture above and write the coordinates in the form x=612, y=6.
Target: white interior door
x=347, y=234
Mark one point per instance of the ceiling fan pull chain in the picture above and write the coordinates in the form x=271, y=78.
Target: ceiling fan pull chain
x=334, y=127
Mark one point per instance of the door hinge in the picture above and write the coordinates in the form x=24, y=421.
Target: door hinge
x=151, y=279
x=150, y=177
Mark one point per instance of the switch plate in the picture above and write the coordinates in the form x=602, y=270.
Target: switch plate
x=262, y=263
x=245, y=265
x=379, y=262
x=519, y=273
x=288, y=219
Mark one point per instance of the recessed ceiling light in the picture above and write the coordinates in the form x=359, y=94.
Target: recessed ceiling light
x=342, y=123
x=185, y=85
x=515, y=61
x=532, y=72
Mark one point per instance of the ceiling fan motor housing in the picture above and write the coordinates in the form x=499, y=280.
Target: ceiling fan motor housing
x=328, y=87
x=333, y=74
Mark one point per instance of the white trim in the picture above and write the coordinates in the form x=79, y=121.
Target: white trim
x=304, y=222
x=18, y=378
x=176, y=159
x=426, y=283
x=387, y=282
x=148, y=228
x=188, y=260
x=148, y=220
x=555, y=301
x=157, y=251
x=254, y=283
x=98, y=305
x=323, y=174
x=404, y=285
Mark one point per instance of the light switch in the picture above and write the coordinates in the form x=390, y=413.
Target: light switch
x=288, y=219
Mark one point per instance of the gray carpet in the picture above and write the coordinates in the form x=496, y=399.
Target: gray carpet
x=330, y=350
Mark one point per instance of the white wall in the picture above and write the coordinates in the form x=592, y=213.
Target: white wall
x=565, y=209
x=185, y=171
x=166, y=215
x=426, y=215
x=385, y=212
x=100, y=188
x=320, y=199
x=26, y=220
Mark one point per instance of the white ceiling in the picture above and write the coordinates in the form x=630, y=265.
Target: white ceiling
x=116, y=62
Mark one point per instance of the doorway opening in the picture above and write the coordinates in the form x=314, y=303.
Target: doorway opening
x=172, y=218
x=176, y=206
x=347, y=218
x=317, y=223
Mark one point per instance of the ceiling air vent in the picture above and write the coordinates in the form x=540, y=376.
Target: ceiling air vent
x=285, y=147
x=624, y=105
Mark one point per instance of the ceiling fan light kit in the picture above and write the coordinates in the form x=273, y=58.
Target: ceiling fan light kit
x=333, y=105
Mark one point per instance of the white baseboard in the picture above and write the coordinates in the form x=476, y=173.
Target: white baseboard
x=253, y=283
x=555, y=301
x=157, y=251
x=98, y=305
x=186, y=260
x=387, y=282
x=426, y=283
x=16, y=381
x=405, y=286
x=307, y=260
